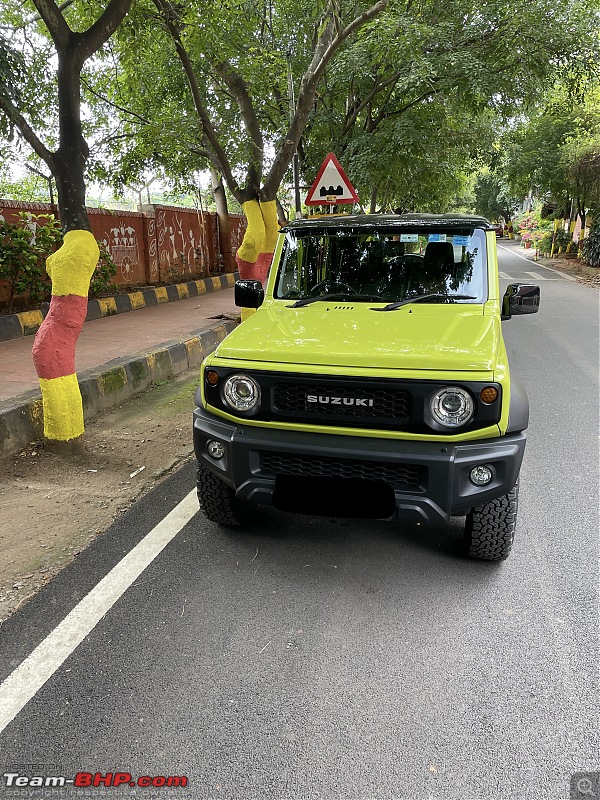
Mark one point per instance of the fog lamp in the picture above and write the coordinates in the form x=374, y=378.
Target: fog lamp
x=215, y=449
x=481, y=475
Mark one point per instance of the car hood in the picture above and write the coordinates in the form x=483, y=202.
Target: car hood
x=416, y=337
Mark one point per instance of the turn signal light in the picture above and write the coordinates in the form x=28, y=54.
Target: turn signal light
x=212, y=377
x=489, y=394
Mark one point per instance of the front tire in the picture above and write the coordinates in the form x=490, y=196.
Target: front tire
x=490, y=527
x=218, y=502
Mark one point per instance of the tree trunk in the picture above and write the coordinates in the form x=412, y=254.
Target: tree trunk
x=71, y=267
x=255, y=254
x=581, y=214
x=373, y=204
x=223, y=221
x=71, y=156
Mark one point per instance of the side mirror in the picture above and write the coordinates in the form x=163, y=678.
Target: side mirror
x=520, y=298
x=249, y=294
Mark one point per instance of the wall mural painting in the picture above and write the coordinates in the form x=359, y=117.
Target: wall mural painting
x=122, y=235
x=238, y=228
x=182, y=244
x=122, y=245
x=152, y=249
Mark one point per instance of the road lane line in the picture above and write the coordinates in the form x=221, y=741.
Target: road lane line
x=538, y=276
x=29, y=677
x=532, y=260
x=518, y=255
x=504, y=276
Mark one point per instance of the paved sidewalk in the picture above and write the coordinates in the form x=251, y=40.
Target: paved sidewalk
x=116, y=357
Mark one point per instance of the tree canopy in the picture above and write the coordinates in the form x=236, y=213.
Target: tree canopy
x=409, y=94
x=41, y=59
x=554, y=154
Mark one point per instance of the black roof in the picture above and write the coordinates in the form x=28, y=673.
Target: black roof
x=390, y=222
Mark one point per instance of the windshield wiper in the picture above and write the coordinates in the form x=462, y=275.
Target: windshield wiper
x=407, y=300
x=305, y=301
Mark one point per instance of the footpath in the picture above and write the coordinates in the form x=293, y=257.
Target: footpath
x=117, y=357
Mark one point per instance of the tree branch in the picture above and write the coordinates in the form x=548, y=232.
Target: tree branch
x=27, y=132
x=114, y=105
x=100, y=32
x=327, y=47
x=55, y=22
x=171, y=21
x=239, y=89
x=202, y=153
x=358, y=107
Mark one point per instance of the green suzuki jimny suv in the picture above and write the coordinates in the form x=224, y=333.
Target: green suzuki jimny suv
x=372, y=381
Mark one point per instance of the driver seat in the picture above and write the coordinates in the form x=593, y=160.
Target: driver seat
x=439, y=258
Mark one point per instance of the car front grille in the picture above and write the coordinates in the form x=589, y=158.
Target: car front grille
x=350, y=404
x=401, y=476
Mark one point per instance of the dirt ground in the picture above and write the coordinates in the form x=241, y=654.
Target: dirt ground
x=52, y=506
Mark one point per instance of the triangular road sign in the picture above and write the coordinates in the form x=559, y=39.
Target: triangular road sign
x=331, y=186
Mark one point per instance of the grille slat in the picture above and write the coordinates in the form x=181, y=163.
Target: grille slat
x=400, y=476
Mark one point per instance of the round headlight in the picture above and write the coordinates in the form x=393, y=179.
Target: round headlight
x=241, y=392
x=451, y=407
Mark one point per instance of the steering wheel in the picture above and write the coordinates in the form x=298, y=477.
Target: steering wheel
x=332, y=286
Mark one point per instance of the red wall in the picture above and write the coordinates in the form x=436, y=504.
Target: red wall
x=122, y=233
x=182, y=241
x=165, y=244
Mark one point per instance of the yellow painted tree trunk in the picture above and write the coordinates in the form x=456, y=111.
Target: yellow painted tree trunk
x=255, y=254
x=70, y=270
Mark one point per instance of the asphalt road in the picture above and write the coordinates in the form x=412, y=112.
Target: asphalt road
x=316, y=658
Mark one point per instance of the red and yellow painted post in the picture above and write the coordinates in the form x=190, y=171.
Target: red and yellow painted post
x=70, y=270
x=255, y=254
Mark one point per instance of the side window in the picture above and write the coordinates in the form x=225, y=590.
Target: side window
x=289, y=273
x=469, y=275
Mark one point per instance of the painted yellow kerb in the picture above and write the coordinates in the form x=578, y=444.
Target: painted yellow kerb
x=73, y=264
x=30, y=319
x=107, y=305
x=194, y=350
x=246, y=313
x=63, y=409
x=137, y=300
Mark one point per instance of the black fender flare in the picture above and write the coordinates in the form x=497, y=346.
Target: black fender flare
x=518, y=411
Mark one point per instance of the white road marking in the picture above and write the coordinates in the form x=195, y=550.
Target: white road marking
x=505, y=276
x=539, y=277
x=518, y=255
x=550, y=269
x=29, y=677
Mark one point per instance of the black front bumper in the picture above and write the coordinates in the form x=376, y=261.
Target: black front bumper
x=430, y=480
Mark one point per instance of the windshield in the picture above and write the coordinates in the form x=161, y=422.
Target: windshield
x=383, y=266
